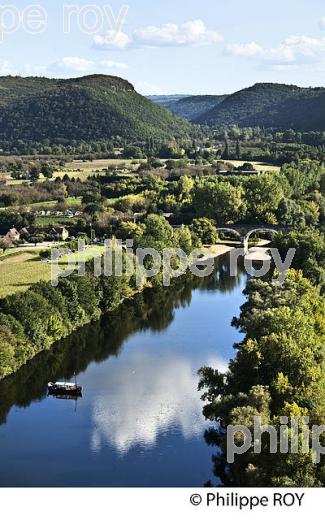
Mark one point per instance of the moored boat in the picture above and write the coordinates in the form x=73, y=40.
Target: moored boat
x=60, y=388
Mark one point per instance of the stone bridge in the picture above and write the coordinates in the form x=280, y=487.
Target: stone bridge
x=245, y=232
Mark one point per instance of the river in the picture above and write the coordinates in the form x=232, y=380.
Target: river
x=139, y=422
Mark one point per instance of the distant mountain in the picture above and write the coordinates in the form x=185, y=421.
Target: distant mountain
x=166, y=100
x=87, y=108
x=189, y=107
x=270, y=105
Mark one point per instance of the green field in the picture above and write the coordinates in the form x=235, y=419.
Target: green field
x=69, y=201
x=20, y=269
x=83, y=169
x=53, y=221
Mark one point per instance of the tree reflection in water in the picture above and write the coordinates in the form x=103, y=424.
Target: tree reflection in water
x=152, y=310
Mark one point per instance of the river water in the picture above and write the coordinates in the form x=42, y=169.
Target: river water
x=139, y=422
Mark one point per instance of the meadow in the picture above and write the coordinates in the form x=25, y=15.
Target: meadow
x=20, y=269
x=259, y=166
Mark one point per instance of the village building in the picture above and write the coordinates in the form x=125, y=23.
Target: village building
x=13, y=235
x=59, y=233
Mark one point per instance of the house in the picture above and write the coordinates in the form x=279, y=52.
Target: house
x=59, y=233
x=12, y=236
x=138, y=215
x=24, y=232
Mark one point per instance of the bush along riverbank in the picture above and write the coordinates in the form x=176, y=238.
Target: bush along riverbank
x=31, y=321
x=278, y=373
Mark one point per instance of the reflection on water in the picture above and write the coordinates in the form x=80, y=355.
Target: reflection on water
x=162, y=396
x=140, y=406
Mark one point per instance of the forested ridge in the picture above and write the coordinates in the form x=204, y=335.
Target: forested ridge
x=270, y=105
x=87, y=108
x=189, y=107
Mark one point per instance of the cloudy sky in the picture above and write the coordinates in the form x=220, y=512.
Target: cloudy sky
x=168, y=46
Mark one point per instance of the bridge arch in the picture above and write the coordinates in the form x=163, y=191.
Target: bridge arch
x=256, y=230
x=230, y=230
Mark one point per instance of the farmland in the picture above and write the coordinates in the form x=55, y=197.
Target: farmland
x=20, y=269
x=83, y=169
x=259, y=166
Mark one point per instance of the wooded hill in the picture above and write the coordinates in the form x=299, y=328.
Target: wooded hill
x=270, y=105
x=189, y=107
x=86, y=108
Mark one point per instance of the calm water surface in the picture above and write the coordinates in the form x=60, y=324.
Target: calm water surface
x=139, y=422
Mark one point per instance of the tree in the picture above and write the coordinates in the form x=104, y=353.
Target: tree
x=238, y=151
x=129, y=230
x=8, y=199
x=219, y=201
x=47, y=171
x=263, y=195
x=158, y=233
x=278, y=371
x=225, y=154
x=183, y=238
x=33, y=311
x=204, y=231
x=132, y=152
x=34, y=173
x=185, y=187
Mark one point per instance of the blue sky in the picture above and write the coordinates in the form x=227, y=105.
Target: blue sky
x=171, y=46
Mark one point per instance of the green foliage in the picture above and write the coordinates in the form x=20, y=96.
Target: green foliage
x=219, y=201
x=158, y=233
x=189, y=107
x=270, y=105
x=278, y=371
x=309, y=246
x=183, y=239
x=88, y=108
x=204, y=232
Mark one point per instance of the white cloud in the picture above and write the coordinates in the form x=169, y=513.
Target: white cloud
x=126, y=418
x=71, y=64
x=191, y=33
x=74, y=63
x=112, y=40
x=292, y=51
x=7, y=69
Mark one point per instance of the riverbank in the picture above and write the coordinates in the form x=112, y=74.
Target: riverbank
x=32, y=321
x=138, y=369
x=257, y=253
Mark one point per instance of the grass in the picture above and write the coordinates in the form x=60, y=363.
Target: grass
x=69, y=201
x=259, y=166
x=53, y=221
x=19, y=270
x=83, y=169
